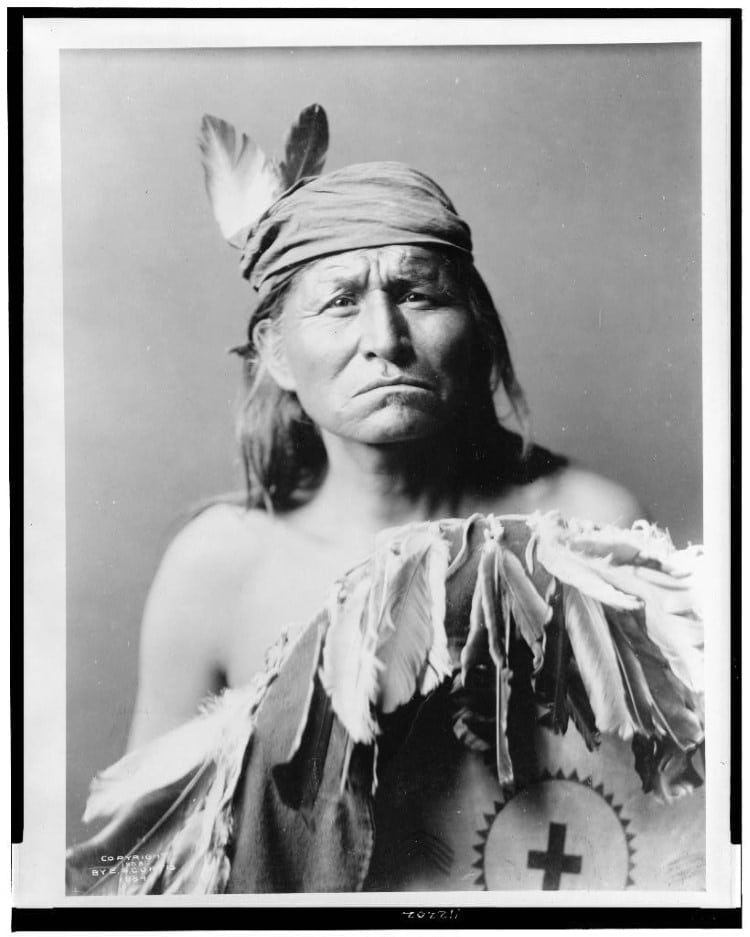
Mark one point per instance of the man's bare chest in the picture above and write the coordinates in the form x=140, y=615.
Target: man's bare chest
x=291, y=574
x=286, y=587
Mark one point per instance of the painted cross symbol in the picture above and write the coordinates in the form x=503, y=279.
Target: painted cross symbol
x=554, y=862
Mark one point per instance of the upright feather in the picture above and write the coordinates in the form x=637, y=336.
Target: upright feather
x=306, y=146
x=241, y=181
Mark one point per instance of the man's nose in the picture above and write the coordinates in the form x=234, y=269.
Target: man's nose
x=384, y=329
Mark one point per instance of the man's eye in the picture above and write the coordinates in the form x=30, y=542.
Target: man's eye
x=416, y=297
x=341, y=302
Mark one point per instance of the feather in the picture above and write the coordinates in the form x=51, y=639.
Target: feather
x=148, y=826
x=664, y=769
x=692, y=561
x=530, y=612
x=643, y=563
x=677, y=634
x=321, y=623
x=553, y=552
x=298, y=778
x=592, y=648
x=242, y=183
x=685, y=659
x=530, y=552
x=489, y=590
x=642, y=544
x=670, y=617
x=178, y=811
x=676, y=711
x=168, y=759
x=464, y=550
x=502, y=593
x=350, y=670
x=173, y=838
x=494, y=591
x=673, y=594
x=552, y=681
x=398, y=643
x=580, y=709
x=172, y=757
x=305, y=146
x=503, y=762
x=199, y=853
x=499, y=646
x=438, y=665
x=646, y=549
x=476, y=646
x=411, y=624
x=638, y=696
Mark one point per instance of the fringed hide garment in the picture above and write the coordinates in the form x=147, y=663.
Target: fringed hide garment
x=527, y=692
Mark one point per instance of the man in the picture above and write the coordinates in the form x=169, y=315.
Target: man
x=371, y=364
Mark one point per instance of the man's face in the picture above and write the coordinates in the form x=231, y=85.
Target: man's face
x=378, y=344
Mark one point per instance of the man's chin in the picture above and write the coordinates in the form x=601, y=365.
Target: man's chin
x=389, y=429
x=402, y=418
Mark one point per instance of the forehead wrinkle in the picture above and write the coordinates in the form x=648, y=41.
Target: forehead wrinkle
x=431, y=270
x=392, y=264
x=336, y=271
x=410, y=263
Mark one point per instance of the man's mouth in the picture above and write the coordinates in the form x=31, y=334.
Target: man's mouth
x=399, y=381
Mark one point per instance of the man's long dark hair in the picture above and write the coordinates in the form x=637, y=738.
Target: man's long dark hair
x=283, y=455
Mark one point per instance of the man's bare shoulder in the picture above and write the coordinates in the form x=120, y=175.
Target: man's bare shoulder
x=538, y=479
x=220, y=539
x=578, y=492
x=189, y=612
x=201, y=578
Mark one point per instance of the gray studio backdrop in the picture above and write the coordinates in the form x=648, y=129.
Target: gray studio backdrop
x=578, y=169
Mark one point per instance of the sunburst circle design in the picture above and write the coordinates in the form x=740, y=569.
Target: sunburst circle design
x=560, y=832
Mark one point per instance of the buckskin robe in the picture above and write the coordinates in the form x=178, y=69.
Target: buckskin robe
x=462, y=767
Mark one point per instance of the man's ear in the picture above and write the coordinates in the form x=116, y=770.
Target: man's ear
x=268, y=340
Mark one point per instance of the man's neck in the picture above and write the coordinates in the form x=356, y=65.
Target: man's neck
x=368, y=488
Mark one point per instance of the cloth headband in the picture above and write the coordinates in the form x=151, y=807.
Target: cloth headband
x=359, y=206
x=282, y=212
